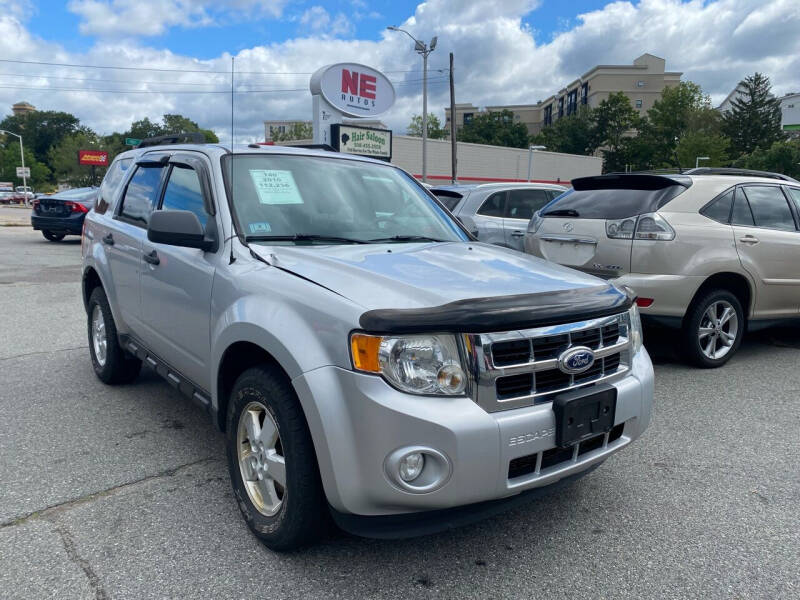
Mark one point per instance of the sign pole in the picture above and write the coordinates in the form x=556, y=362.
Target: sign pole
x=24, y=179
x=453, y=141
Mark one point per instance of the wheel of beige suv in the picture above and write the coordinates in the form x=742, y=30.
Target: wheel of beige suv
x=272, y=463
x=713, y=328
x=111, y=363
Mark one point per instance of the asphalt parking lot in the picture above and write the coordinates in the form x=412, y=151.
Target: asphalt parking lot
x=123, y=492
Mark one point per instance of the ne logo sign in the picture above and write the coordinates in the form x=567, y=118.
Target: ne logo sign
x=353, y=89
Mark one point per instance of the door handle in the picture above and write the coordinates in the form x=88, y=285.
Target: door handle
x=749, y=239
x=108, y=240
x=518, y=233
x=152, y=258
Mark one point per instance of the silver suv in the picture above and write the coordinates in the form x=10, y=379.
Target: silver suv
x=497, y=213
x=365, y=358
x=710, y=254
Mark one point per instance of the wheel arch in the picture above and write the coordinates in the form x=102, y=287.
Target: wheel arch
x=90, y=281
x=736, y=283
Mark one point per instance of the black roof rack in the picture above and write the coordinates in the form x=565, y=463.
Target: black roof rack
x=740, y=172
x=194, y=137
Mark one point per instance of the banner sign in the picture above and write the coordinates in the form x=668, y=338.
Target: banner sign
x=354, y=90
x=24, y=172
x=365, y=141
x=98, y=158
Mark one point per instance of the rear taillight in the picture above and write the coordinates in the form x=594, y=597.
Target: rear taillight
x=77, y=207
x=650, y=226
x=644, y=302
x=35, y=205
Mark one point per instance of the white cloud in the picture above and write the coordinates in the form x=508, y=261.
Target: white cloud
x=136, y=18
x=319, y=20
x=498, y=60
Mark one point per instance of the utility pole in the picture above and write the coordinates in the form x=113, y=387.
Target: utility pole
x=22, y=158
x=453, y=141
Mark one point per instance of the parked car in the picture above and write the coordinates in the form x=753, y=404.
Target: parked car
x=366, y=359
x=62, y=214
x=709, y=254
x=497, y=213
x=25, y=193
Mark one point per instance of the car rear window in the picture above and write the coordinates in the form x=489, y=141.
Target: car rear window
x=616, y=196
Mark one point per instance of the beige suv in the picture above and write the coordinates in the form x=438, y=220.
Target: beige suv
x=709, y=254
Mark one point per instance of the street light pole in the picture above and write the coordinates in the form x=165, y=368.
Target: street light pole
x=22, y=158
x=698, y=159
x=424, y=50
x=530, y=157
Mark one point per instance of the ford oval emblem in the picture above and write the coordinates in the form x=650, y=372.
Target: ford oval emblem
x=576, y=360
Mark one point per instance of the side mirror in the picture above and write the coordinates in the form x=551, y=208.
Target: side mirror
x=178, y=228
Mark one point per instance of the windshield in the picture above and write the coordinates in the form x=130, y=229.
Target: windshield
x=309, y=199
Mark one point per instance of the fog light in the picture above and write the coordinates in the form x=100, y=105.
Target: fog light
x=411, y=466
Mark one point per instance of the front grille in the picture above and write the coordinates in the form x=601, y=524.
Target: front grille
x=526, y=465
x=520, y=368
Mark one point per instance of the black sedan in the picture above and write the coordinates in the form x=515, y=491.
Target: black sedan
x=63, y=212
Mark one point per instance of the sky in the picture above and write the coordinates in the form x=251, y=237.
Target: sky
x=177, y=53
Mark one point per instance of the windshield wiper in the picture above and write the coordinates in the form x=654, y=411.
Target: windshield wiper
x=562, y=212
x=407, y=238
x=302, y=237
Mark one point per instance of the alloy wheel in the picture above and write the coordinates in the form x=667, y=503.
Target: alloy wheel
x=99, y=341
x=719, y=327
x=261, y=460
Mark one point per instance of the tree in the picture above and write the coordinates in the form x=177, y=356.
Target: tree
x=698, y=143
x=145, y=128
x=782, y=157
x=680, y=110
x=435, y=129
x=298, y=131
x=754, y=120
x=495, y=129
x=575, y=134
x=10, y=160
x=615, y=118
x=63, y=159
x=42, y=129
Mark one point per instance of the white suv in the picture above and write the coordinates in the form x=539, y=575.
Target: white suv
x=710, y=254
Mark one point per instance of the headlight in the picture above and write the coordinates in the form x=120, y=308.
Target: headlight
x=635, y=328
x=418, y=364
x=535, y=222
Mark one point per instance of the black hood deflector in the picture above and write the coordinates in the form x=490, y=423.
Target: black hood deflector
x=503, y=313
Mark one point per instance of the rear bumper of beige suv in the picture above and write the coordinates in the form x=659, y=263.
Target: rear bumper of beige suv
x=671, y=294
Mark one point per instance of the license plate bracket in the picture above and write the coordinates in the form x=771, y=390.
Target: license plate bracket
x=583, y=414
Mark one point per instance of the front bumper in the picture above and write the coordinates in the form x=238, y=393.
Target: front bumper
x=72, y=224
x=356, y=420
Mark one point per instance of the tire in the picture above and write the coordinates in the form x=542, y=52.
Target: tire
x=53, y=237
x=287, y=515
x=111, y=363
x=718, y=341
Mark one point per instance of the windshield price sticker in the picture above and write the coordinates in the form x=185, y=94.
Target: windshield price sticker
x=275, y=186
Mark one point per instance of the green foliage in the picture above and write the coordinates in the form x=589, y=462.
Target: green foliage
x=10, y=159
x=495, y=129
x=145, y=128
x=435, y=129
x=679, y=111
x=782, y=157
x=298, y=131
x=63, y=159
x=614, y=119
x=41, y=130
x=699, y=143
x=754, y=120
x=575, y=134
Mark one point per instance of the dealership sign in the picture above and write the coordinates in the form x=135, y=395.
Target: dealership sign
x=97, y=158
x=365, y=141
x=354, y=90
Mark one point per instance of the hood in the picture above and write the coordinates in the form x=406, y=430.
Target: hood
x=407, y=276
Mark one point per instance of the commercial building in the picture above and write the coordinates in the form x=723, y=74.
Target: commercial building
x=642, y=82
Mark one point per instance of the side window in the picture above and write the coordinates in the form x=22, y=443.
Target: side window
x=493, y=206
x=183, y=192
x=108, y=189
x=741, y=210
x=553, y=194
x=523, y=203
x=794, y=194
x=770, y=208
x=720, y=209
x=141, y=194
